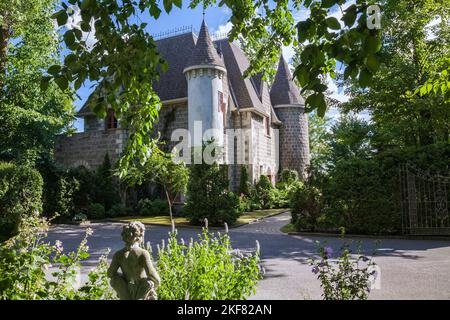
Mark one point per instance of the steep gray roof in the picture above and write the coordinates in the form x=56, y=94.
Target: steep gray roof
x=175, y=50
x=236, y=63
x=284, y=90
x=172, y=84
x=205, y=53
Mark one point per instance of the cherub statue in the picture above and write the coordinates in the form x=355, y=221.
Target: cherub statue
x=138, y=279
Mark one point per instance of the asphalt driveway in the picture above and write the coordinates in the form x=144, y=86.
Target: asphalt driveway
x=410, y=269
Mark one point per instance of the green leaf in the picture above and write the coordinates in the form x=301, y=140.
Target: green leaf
x=62, y=82
x=164, y=66
x=54, y=69
x=333, y=23
x=305, y=30
x=78, y=33
x=45, y=81
x=167, y=5
x=321, y=106
x=69, y=38
x=178, y=3
x=70, y=58
x=302, y=75
x=86, y=27
x=317, y=101
x=349, y=16
x=372, y=63
x=328, y=3
x=61, y=17
x=365, y=78
x=155, y=11
x=86, y=4
x=320, y=87
x=372, y=44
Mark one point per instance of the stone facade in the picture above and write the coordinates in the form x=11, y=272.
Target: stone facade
x=89, y=148
x=294, y=138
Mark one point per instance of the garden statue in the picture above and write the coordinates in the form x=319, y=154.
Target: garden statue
x=138, y=279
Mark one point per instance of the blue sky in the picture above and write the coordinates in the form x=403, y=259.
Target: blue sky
x=218, y=21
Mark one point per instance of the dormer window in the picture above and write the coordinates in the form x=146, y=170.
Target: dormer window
x=111, y=121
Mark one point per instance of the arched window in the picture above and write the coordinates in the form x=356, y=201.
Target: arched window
x=111, y=121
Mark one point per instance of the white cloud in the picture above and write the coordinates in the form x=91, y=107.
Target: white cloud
x=226, y=10
x=224, y=28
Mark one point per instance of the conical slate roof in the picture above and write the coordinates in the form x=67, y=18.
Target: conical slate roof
x=284, y=90
x=204, y=52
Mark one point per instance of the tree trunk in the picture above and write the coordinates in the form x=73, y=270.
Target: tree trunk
x=4, y=40
x=169, y=201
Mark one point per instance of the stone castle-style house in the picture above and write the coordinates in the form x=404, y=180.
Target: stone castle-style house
x=204, y=84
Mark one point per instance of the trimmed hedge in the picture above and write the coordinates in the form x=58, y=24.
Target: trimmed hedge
x=20, y=197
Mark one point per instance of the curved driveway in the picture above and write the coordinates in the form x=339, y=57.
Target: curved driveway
x=410, y=269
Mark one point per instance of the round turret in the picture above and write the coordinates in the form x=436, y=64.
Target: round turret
x=290, y=109
x=204, y=72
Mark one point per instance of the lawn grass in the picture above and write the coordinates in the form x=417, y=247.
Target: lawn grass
x=288, y=228
x=245, y=218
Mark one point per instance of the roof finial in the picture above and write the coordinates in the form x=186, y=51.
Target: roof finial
x=204, y=13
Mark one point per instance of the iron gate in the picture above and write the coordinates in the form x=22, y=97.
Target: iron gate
x=424, y=202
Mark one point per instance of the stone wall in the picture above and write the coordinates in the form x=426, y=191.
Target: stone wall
x=264, y=150
x=89, y=148
x=92, y=123
x=294, y=139
x=171, y=117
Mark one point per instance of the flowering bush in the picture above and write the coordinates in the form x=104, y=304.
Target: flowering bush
x=27, y=262
x=346, y=277
x=205, y=269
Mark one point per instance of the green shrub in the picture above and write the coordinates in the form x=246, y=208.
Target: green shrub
x=160, y=207
x=60, y=188
x=119, y=210
x=79, y=217
x=208, y=196
x=344, y=277
x=244, y=204
x=106, y=191
x=278, y=198
x=20, y=198
x=207, y=269
x=306, y=206
x=263, y=188
x=244, y=182
x=157, y=207
x=96, y=211
x=360, y=196
x=86, y=193
x=145, y=207
x=288, y=176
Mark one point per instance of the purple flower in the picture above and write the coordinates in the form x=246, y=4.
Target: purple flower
x=328, y=252
x=364, y=258
x=315, y=269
